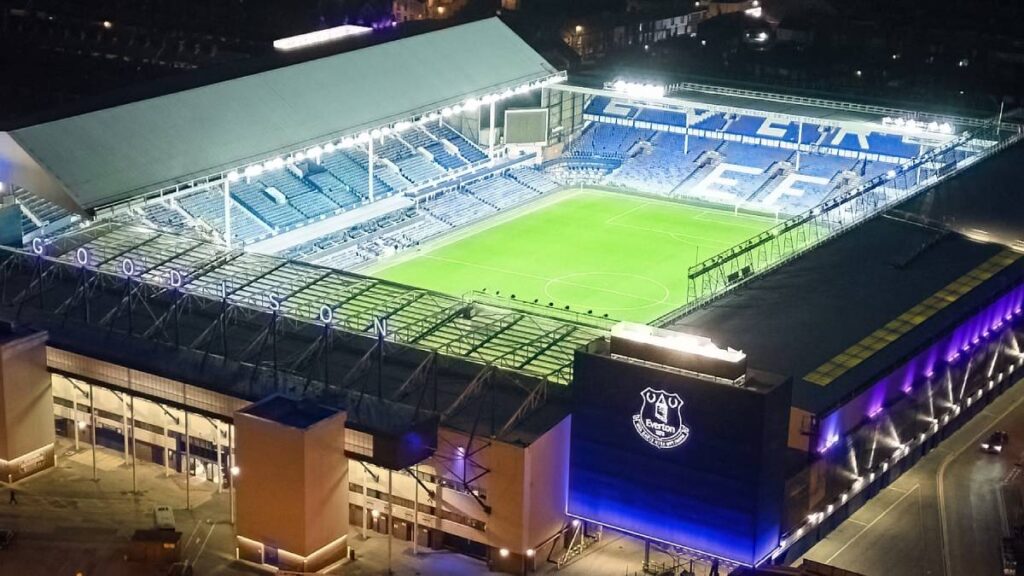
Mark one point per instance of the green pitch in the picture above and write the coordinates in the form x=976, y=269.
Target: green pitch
x=608, y=253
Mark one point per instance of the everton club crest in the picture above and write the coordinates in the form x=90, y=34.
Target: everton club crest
x=660, y=420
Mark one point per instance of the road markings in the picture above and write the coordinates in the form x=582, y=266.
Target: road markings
x=940, y=476
x=872, y=523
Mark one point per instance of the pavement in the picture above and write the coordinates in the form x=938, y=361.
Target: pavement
x=68, y=524
x=947, y=514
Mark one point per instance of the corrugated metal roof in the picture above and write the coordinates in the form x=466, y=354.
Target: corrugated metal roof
x=110, y=155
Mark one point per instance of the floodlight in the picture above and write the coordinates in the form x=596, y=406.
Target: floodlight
x=504, y=552
x=508, y=93
x=253, y=170
x=457, y=108
x=329, y=147
x=347, y=142
x=375, y=133
x=363, y=137
x=385, y=130
x=299, y=156
x=530, y=552
x=403, y=125
x=319, y=37
x=314, y=152
x=471, y=104
x=233, y=176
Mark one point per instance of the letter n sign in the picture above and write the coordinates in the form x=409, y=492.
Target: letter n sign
x=380, y=327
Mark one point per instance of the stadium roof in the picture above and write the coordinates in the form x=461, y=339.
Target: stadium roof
x=483, y=351
x=519, y=341
x=106, y=156
x=983, y=203
x=821, y=317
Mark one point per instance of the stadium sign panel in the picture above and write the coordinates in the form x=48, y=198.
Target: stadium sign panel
x=660, y=420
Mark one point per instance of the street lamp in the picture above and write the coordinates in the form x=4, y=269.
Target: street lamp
x=234, y=471
x=527, y=560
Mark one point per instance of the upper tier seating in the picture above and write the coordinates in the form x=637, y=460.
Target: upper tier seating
x=467, y=150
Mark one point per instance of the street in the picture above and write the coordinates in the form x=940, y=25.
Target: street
x=947, y=514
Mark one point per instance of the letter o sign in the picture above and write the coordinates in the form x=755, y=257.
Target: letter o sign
x=128, y=267
x=82, y=256
x=326, y=314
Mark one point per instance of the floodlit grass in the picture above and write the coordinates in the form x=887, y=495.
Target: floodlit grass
x=608, y=253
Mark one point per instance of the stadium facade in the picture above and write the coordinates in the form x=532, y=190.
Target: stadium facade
x=177, y=283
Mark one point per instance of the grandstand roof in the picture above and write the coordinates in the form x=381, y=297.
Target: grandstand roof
x=105, y=156
x=526, y=343
x=483, y=351
x=803, y=318
x=983, y=202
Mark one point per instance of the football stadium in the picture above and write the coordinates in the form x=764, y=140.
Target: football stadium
x=432, y=287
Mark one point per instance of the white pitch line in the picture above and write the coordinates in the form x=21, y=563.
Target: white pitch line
x=549, y=280
x=872, y=523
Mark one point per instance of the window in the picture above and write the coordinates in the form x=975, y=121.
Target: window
x=464, y=520
x=358, y=442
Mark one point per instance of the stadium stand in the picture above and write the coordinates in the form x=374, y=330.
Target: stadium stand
x=418, y=169
x=383, y=172
x=164, y=217
x=298, y=193
x=534, y=179
x=469, y=152
x=272, y=209
x=455, y=208
x=605, y=141
x=329, y=185
x=603, y=109
x=500, y=192
x=40, y=214
x=419, y=138
x=345, y=166
x=659, y=116
x=208, y=206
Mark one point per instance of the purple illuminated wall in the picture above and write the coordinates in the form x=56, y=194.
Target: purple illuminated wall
x=976, y=331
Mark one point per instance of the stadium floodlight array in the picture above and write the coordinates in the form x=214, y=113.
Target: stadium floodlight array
x=320, y=37
x=914, y=126
x=637, y=89
x=315, y=152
